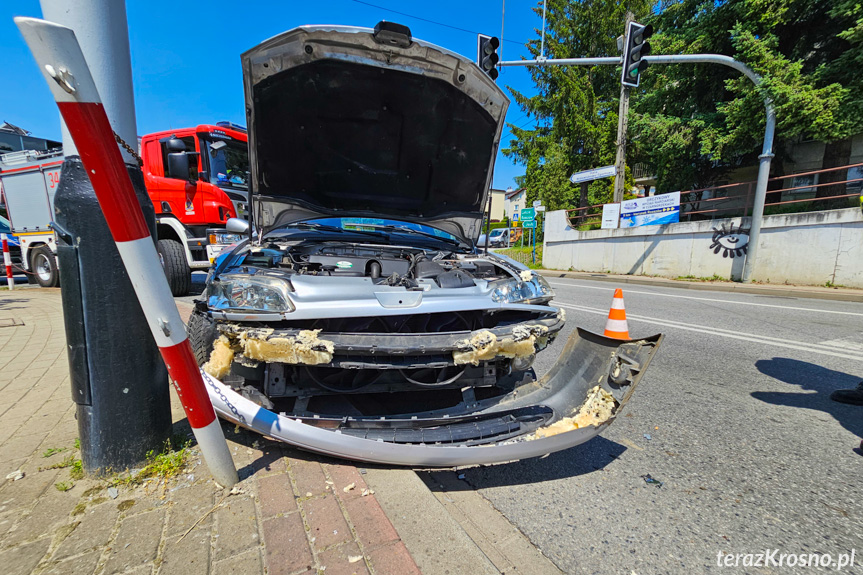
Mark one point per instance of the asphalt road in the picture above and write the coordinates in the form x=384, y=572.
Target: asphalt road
x=752, y=453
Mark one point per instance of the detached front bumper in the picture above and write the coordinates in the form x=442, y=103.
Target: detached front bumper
x=576, y=400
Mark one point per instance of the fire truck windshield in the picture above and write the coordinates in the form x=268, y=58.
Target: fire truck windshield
x=227, y=161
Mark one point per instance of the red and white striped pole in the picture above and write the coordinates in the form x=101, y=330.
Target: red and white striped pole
x=61, y=61
x=8, y=261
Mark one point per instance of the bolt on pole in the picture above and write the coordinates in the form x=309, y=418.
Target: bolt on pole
x=64, y=68
x=769, y=128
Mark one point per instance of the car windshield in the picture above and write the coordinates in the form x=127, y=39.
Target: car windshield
x=383, y=225
x=228, y=161
x=497, y=232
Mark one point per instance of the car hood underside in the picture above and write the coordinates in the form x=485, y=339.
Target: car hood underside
x=578, y=398
x=342, y=125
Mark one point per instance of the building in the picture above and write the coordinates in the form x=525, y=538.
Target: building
x=497, y=199
x=514, y=202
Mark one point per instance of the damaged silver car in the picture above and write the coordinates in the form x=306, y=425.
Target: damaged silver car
x=359, y=318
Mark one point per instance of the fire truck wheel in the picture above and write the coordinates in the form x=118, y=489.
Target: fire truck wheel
x=202, y=334
x=177, y=270
x=43, y=265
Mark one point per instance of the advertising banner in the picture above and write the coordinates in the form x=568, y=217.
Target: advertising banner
x=650, y=211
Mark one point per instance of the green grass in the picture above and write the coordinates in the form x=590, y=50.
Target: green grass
x=524, y=256
x=77, y=469
x=713, y=278
x=170, y=462
x=52, y=450
x=68, y=461
x=64, y=485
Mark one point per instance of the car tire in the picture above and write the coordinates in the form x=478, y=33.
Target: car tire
x=177, y=270
x=202, y=334
x=43, y=266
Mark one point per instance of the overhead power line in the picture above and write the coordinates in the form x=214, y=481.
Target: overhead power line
x=427, y=20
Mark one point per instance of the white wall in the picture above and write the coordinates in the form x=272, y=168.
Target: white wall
x=809, y=248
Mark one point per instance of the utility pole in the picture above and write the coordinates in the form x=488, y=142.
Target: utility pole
x=623, y=112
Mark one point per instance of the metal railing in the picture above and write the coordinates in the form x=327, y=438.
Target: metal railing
x=736, y=200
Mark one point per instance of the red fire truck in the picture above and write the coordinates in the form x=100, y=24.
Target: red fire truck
x=196, y=178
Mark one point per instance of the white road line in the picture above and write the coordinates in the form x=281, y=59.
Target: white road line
x=709, y=299
x=751, y=337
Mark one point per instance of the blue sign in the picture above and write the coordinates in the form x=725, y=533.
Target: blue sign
x=650, y=211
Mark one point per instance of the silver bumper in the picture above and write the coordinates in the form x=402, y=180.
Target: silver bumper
x=588, y=360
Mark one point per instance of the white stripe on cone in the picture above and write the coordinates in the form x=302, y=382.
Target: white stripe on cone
x=617, y=303
x=156, y=300
x=616, y=325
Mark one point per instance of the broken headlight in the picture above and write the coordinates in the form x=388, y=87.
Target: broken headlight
x=513, y=290
x=249, y=293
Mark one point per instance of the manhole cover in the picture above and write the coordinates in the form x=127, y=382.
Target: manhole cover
x=10, y=322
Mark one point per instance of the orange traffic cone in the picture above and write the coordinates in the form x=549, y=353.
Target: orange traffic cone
x=616, y=326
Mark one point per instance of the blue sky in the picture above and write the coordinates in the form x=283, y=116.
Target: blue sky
x=186, y=54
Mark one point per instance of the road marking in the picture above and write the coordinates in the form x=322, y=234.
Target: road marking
x=711, y=299
x=856, y=346
x=751, y=337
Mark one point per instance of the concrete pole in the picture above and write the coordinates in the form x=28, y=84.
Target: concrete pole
x=102, y=32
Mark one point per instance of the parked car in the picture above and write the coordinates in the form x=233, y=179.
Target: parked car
x=360, y=319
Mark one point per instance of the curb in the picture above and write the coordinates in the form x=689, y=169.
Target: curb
x=810, y=292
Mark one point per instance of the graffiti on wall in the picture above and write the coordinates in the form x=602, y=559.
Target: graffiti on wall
x=731, y=242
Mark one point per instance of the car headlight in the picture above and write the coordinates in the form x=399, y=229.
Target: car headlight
x=514, y=290
x=225, y=237
x=249, y=293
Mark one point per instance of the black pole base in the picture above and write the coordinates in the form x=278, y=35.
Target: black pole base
x=119, y=380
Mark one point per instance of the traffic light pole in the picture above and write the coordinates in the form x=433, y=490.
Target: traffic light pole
x=769, y=128
x=622, y=124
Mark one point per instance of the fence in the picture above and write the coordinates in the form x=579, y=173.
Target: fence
x=807, y=192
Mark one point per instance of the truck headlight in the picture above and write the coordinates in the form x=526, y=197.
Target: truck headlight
x=513, y=290
x=249, y=293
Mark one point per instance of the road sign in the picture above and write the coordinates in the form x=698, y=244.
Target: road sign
x=590, y=175
x=527, y=214
x=529, y=224
x=515, y=216
x=539, y=208
x=537, y=203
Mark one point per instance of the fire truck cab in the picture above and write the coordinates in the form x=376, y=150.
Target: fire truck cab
x=197, y=180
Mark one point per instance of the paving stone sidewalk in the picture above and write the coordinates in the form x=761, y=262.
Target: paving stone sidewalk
x=290, y=514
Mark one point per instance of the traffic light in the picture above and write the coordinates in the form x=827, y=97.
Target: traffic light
x=486, y=54
x=635, y=48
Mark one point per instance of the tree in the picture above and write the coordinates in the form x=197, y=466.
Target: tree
x=694, y=122
x=575, y=107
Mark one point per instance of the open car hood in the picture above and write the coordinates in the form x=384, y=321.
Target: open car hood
x=342, y=125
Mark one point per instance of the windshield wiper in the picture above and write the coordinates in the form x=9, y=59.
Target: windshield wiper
x=328, y=228
x=401, y=229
